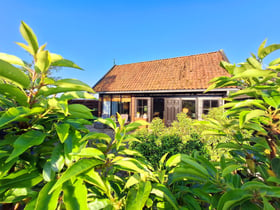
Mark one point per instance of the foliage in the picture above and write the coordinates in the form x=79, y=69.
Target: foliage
x=158, y=140
x=45, y=158
x=49, y=160
x=250, y=179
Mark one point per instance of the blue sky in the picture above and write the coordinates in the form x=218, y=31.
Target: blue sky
x=94, y=34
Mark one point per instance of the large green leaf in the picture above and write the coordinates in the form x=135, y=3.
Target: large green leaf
x=75, y=195
x=163, y=192
x=230, y=169
x=137, y=196
x=254, y=63
x=15, y=93
x=95, y=135
x=62, y=131
x=109, y=122
x=65, y=85
x=79, y=111
x=43, y=61
x=25, y=47
x=180, y=174
x=15, y=195
x=90, y=152
x=66, y=63
x=92, y=177
x=25, y=141
x=130, y=164
x=250, y=73
x=29, y=37
x=233, y=198
x=187, y=160
x=267, y=50
x=46, y=200
x=77, y=168
x=10, y=72
x=20, y=179
x=11, y=59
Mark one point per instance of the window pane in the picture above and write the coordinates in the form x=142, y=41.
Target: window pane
x=214, y=103
x=188, y=106
x=142, y=108
x=206, y=104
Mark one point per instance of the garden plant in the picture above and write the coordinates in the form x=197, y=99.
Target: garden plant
x=50, y=160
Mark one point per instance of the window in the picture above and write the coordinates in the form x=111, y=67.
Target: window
x=142, y=108
x=208, y=104
x=106, y=110
x=189, y=107
x=121, y=104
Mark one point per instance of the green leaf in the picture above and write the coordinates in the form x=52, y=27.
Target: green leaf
x=15, y=195
x=5, y=167
x=20, y=179
x=130, y=164
x=132, y=180
x=29, y=37
x=25, y=141
x=25, y=47
x=65, y=85
x=95, y=135
x=267, y=50
x=180, y=174
x=46, y=200
x=250, y=73
x=267, y=205
x=92, y=177
x=55, y=57
x=261, y=47
x=108, y=121
x=76, y=169
x=275, y=164
x=230, y=169
x=91, y=152
x=62, y=131
x=43, y=61
x=8, y=71
x=77, y=95
x=229, y=67
x=48, y=172
x=11, y=59
x=65, y=63
x=79, y=111
x=272, y=98
x=246, y=116
x=274, y=62
x=57, y=158
x=233, y=198
x=98, y=204
x=254, y=63
x=135, y=125
x=137, y=197
x=75, y=195
x=187, y=160
x=164, y=193
x=15, y=93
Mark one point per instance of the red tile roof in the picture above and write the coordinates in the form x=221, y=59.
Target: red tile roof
x=181, y=73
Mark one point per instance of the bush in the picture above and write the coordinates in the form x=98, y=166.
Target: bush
x=158, y=140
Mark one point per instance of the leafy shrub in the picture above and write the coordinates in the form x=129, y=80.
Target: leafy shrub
x=158, y=140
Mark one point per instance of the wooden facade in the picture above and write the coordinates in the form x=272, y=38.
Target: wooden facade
x=162, y=88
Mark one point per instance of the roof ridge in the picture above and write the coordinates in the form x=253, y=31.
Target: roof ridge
x=218, y=51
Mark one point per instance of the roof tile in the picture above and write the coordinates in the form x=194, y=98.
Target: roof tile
x=180, y=73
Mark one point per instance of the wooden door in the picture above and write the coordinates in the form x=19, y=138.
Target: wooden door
x=172, y=106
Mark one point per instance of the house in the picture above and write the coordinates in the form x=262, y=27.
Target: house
x=162, y=88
